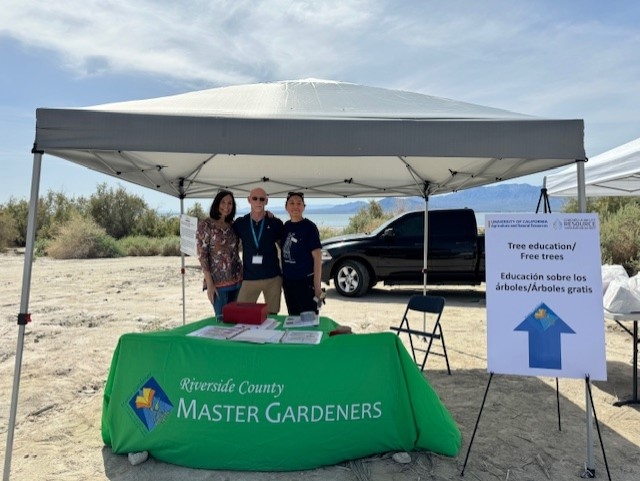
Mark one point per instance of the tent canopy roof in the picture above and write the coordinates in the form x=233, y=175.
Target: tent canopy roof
x=330, y=139
x=615, y=172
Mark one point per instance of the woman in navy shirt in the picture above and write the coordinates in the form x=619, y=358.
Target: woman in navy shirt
x=301, y=259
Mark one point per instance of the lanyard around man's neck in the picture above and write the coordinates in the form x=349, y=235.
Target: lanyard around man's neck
x=256, y=240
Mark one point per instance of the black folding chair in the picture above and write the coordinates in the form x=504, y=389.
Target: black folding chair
x=431, y=307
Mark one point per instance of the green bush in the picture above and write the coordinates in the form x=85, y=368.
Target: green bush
x=620, y=237
x=81, y=238
x=150, y=246
x=116, y=211
x=8, y=231
x=139, y=245
x=198, y=211
x=367, y=219
x=53, y=209
x=40, y=248
x=601, y=205
x=152, y=224
x=18, y=210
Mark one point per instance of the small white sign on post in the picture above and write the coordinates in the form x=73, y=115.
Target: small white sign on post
x=188, y=227
x=544, y=295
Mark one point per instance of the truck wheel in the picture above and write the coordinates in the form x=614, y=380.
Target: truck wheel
x=351, y=279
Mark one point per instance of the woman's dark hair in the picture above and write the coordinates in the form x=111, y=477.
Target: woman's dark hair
x=215, y=207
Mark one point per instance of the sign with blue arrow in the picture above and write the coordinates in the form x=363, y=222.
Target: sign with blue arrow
x=545, y=329
x=544, y=295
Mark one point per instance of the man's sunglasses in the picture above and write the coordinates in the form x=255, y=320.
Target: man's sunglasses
x=261, y=199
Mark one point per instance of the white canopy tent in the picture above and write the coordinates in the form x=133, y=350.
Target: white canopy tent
x=329, y=139
x=332, y=139
x=615, y=172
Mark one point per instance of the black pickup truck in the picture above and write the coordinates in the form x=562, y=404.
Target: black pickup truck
x=394, y=253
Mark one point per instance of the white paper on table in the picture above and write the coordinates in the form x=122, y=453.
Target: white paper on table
x=302, y=337
x=305, y=319
x=218, y=332
x=260, y=336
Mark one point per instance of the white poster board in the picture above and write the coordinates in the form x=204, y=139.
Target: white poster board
x=544, y=295
x=188, y=227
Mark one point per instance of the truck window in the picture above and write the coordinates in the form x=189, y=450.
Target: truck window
x=454, y=223
x=411, y=226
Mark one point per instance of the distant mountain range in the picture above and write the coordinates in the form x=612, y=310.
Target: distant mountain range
x=493, y=198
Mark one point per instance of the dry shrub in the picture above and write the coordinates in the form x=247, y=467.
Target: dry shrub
x=327, y=232
x=81, y=238
x=620, y=238
x=170, y=246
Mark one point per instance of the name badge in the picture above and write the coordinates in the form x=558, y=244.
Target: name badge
x=256, y=260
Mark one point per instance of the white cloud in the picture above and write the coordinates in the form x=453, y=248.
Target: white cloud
x=544, y=58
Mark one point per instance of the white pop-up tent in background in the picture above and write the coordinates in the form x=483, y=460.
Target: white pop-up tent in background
x=615, y=172
x=326, y=138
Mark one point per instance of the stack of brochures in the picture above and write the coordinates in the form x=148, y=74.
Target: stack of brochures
x=262, y=333
x=305, y=319
x=218, y=332
x=302, y=337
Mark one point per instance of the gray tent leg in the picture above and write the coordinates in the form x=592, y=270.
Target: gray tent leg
x=23, y=316
x=183, y=272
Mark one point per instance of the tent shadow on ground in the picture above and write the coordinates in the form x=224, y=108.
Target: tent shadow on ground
x=619, y=383
x=517, y=437
x=520, y=422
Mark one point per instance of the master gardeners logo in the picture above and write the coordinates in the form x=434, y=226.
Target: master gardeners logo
x=151, y=404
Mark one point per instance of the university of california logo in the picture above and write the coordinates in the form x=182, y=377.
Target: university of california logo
x=151, y=404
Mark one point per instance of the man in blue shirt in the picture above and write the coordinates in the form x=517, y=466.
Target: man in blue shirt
x=260, y=235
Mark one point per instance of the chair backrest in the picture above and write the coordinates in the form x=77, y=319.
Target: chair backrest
x=423, y=303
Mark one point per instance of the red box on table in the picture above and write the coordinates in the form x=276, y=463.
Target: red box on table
x=244, y=313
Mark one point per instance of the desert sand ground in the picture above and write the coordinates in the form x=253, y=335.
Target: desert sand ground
x=81, y=307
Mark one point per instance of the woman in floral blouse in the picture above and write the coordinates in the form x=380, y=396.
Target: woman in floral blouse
x=219, y=253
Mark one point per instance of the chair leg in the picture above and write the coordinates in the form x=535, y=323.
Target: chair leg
x=426, y=353
x=436, y=334
x=413, y=350
x=444, y=348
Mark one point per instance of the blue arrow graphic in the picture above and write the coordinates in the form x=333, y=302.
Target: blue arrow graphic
x=544, y=328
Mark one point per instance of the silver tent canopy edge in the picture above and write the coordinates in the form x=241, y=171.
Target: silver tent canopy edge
x=69, y=129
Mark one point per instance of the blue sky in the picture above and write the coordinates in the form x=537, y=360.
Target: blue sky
x=568, y=59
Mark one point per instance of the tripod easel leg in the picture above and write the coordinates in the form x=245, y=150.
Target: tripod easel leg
x=558, y=403
x=590, y=473
x=476, y=426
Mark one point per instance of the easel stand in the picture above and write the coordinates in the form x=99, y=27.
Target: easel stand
x=544, y=200
x=590, y=471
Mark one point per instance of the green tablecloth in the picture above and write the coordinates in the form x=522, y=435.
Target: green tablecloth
x=213, y=404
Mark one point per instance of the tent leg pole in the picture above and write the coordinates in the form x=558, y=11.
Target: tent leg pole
x=23, y=316
x=582, y=197
x=183, y=271
x=425, y=252
x=590, y=464
x=14, y=404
